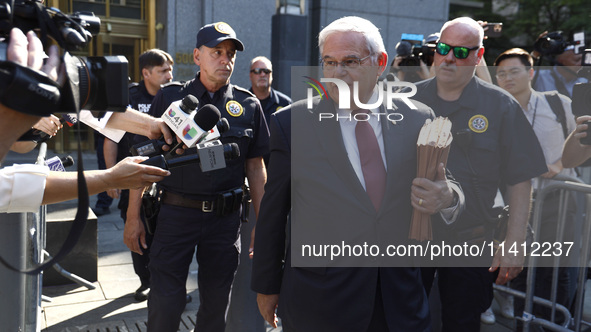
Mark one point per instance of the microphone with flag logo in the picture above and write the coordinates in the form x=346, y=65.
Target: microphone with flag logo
x=191, y=128
x=59, y=164
x=199, y=126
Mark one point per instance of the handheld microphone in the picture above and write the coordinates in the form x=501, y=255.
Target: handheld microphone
x=39, y=136
x=207, y=119
x=191, y=128
x=59, y=164
x=210, y=156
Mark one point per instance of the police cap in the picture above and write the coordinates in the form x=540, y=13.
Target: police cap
x=212, y=34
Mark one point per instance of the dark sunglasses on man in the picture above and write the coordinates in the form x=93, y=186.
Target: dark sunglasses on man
x=258, y=71
x=460, y=52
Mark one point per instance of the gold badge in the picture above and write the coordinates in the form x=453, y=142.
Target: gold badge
x=478, y=123
x=223, y=27
x=278, y=108
x=234, y=108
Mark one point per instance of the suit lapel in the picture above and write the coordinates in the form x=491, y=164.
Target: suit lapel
x=331, y=142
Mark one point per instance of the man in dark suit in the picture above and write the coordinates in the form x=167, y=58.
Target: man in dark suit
x=336, y=197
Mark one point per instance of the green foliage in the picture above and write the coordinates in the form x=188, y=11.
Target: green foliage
x=532, y=18
x=537, y=16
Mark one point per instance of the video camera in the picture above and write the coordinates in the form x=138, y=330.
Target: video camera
x=410, y=48
x=556, y=42
x=413, y=48
x=93, y=83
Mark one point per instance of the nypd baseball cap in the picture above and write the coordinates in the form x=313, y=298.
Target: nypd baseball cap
x=212, y=34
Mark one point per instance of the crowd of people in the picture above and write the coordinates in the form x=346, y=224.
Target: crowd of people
x=350, y=177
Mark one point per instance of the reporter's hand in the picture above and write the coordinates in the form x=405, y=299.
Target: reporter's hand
x=49, y=125
x=484, y=27
x=28, y=51
x=158, y=128
x=25, y=50
x=130, y=174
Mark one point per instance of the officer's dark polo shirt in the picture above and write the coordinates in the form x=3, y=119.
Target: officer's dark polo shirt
x=139, y=99
x=503, y=150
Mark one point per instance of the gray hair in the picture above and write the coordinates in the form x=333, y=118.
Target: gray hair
x=373, y=38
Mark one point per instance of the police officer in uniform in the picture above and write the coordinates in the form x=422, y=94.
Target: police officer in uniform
x=156, y=68
x=261, y=78
x=199, y=209
x=494, y=146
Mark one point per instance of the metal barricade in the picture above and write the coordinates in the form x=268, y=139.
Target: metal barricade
x=566, y=186
x=22, y=243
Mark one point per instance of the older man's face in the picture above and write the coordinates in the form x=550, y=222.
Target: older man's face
x=261, y=75
x=341, y=46
x=449, y=69
x=216, y=63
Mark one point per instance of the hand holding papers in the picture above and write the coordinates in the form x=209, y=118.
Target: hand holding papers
x=432, y=149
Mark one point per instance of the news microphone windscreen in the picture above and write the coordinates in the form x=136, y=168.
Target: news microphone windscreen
x=189, y=103
x=207, y=117
x=68, y=161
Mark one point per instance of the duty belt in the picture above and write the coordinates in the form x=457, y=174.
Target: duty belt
x=223, y=204
x=179, y=200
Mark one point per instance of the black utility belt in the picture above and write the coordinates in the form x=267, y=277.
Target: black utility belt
x=222, y=204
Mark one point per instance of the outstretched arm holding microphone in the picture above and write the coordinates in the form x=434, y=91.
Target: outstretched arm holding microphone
x=44, y=186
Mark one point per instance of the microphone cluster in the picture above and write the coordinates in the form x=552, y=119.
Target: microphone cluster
x=196, y=128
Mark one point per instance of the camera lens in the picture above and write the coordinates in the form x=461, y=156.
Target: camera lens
x=96, y=83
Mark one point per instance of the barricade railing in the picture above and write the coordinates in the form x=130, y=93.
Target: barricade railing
x=22, y=243
x=566, y=186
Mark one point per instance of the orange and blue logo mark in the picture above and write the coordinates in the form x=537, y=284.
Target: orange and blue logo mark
x=316, y=86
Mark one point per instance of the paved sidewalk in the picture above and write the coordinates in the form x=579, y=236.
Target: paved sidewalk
x=111, y=306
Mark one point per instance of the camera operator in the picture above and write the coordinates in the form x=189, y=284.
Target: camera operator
x=563, y=74
x=408, y=64
x=23, y=188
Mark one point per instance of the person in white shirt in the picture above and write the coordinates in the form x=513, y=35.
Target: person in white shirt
x=514, y=74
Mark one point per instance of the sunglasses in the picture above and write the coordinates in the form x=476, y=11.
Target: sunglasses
x=258, y=71
x=460, y=52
